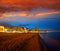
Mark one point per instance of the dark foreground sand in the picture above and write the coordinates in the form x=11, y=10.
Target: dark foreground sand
x=21, y=42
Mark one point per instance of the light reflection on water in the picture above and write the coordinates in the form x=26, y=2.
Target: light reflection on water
x=52, y=35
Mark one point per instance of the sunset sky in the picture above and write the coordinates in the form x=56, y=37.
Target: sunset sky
x=44, y=14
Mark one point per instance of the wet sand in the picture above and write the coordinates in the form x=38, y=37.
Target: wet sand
x=21, y=42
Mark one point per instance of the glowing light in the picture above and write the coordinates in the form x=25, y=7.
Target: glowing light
x=1, y=28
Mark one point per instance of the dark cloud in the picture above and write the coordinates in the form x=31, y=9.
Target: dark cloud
x=27, y=5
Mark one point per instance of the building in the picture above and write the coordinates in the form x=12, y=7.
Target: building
x=19, y=29
x=35, y=30
x=2, y=29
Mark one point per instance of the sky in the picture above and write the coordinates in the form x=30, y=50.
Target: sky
x=44, y=14
x=29, y=4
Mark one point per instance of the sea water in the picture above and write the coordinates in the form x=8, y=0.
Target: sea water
x=49, y=44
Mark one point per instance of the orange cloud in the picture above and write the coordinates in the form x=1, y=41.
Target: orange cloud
x=46, y=13
x=28, y=14
x=30, y=4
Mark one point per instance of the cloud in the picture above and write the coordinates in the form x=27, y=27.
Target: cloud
x=27, y=14
x=27, y=5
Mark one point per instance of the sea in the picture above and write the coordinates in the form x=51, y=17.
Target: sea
x=51, y=40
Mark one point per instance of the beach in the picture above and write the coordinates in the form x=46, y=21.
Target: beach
x=21, y=42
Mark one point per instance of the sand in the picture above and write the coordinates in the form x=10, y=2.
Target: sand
x=21, y=42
